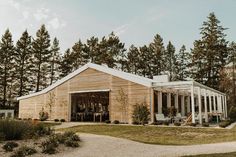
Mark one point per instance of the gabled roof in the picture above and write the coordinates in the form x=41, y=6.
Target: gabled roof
x=127, y=76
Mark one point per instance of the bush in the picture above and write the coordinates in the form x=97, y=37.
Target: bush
x=157, y=123
x=49, y=146
x=232, y=113
x=177, y=124
x=224, y=124
x=72, y=135
x=141, y=114
x=9, y=146
x=205, y=124
x=71, y=143
x=24, y=151
x=135, y=123
x=107, y=121
x=192, y=124
x=62, y=120
x=116, y=122
x=15, y=130
x=40, y=129
x=166, y=123
x=56, y=120
x=43, y=116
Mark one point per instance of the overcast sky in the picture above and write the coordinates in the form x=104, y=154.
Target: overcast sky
x=134, y=21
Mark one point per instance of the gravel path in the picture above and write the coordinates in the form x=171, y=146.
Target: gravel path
x=106, y=146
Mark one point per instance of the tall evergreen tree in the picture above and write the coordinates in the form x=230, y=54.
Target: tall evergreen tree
x=210, y=52
x=55, y=59
x=145, y=67
x=170, y=61
x=92, y=51
x=7, y=67
x=66, y=65
x=133, y=58
x=23, y=60
x=79, y=56
x=41, y=56
x=158, y=50
x=182, y=64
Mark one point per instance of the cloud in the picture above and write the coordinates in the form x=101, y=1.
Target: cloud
x=25, y=14
x=121, y=29
x=41, y=14
x=55, y=23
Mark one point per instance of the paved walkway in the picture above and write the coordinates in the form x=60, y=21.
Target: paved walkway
x=106, y=146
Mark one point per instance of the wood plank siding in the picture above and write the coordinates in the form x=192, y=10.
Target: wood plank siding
x=89, y=79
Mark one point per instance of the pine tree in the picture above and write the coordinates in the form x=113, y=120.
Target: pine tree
x=213, y=53
x=133, y=58
x=182, y=64
x=170, y=61
x=66, y=66
x=158, y=50
x=41, y=56
x=55, y=60
x=92, y=51
x=23, y=61
x=7, y=67
x=79, y=55
x=144, y=65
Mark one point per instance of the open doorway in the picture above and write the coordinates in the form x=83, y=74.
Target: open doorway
x=90, y=106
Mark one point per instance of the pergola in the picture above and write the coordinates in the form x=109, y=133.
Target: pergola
x=214, y=101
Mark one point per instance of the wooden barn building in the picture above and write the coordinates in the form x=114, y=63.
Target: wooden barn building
x=98, y=93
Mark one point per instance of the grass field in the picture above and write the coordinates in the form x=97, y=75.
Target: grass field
x=161, y=135
x=233, y=154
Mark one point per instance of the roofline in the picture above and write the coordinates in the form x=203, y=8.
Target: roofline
x=124, y=75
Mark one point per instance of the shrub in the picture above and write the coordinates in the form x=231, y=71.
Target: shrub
x=15, y=130
x=205, y=124
x=177, y=124
x=43, y=115
x=224, y=124
x=71, y=143
x=166, y=123
x=49, y=146
x=141, y=114
x=56, y=120
x=116, y=122
x=24, y=151
x=107, y=121
x=40, y=129
x=72, y=135
x=192, y=124
x=9, y=146
x=62, y=120
x=135, y=123
x=232, y=113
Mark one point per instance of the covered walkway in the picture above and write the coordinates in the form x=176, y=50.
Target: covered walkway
x=191, y=97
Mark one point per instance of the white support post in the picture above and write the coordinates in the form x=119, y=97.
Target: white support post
x=188, y=104
x=226, y=111
x=220, y=104
x=223, y=105
x=210, y=101
x=214, y=103
x=192, y=104
x=168, y=100
x=200, y=105
x=177, y=102
x=159, y=102
x=182, y=105
x=205, y=105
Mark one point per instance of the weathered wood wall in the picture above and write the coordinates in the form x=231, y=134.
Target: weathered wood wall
x=57, y=101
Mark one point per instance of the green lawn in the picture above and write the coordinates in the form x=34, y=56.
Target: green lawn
x=161, y=135
x=233, y=154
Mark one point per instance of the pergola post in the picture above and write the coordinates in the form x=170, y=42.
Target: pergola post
x=159, y=102
x=200, y=105
x=168, y=100
x=188, y=104
x=182, y=105
x=214, y=103
x=205, y=105
x=220, y=104
x=210, y=101
x=223, y=105
x=192, y=104
x=226, y=110
x=177, y=102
